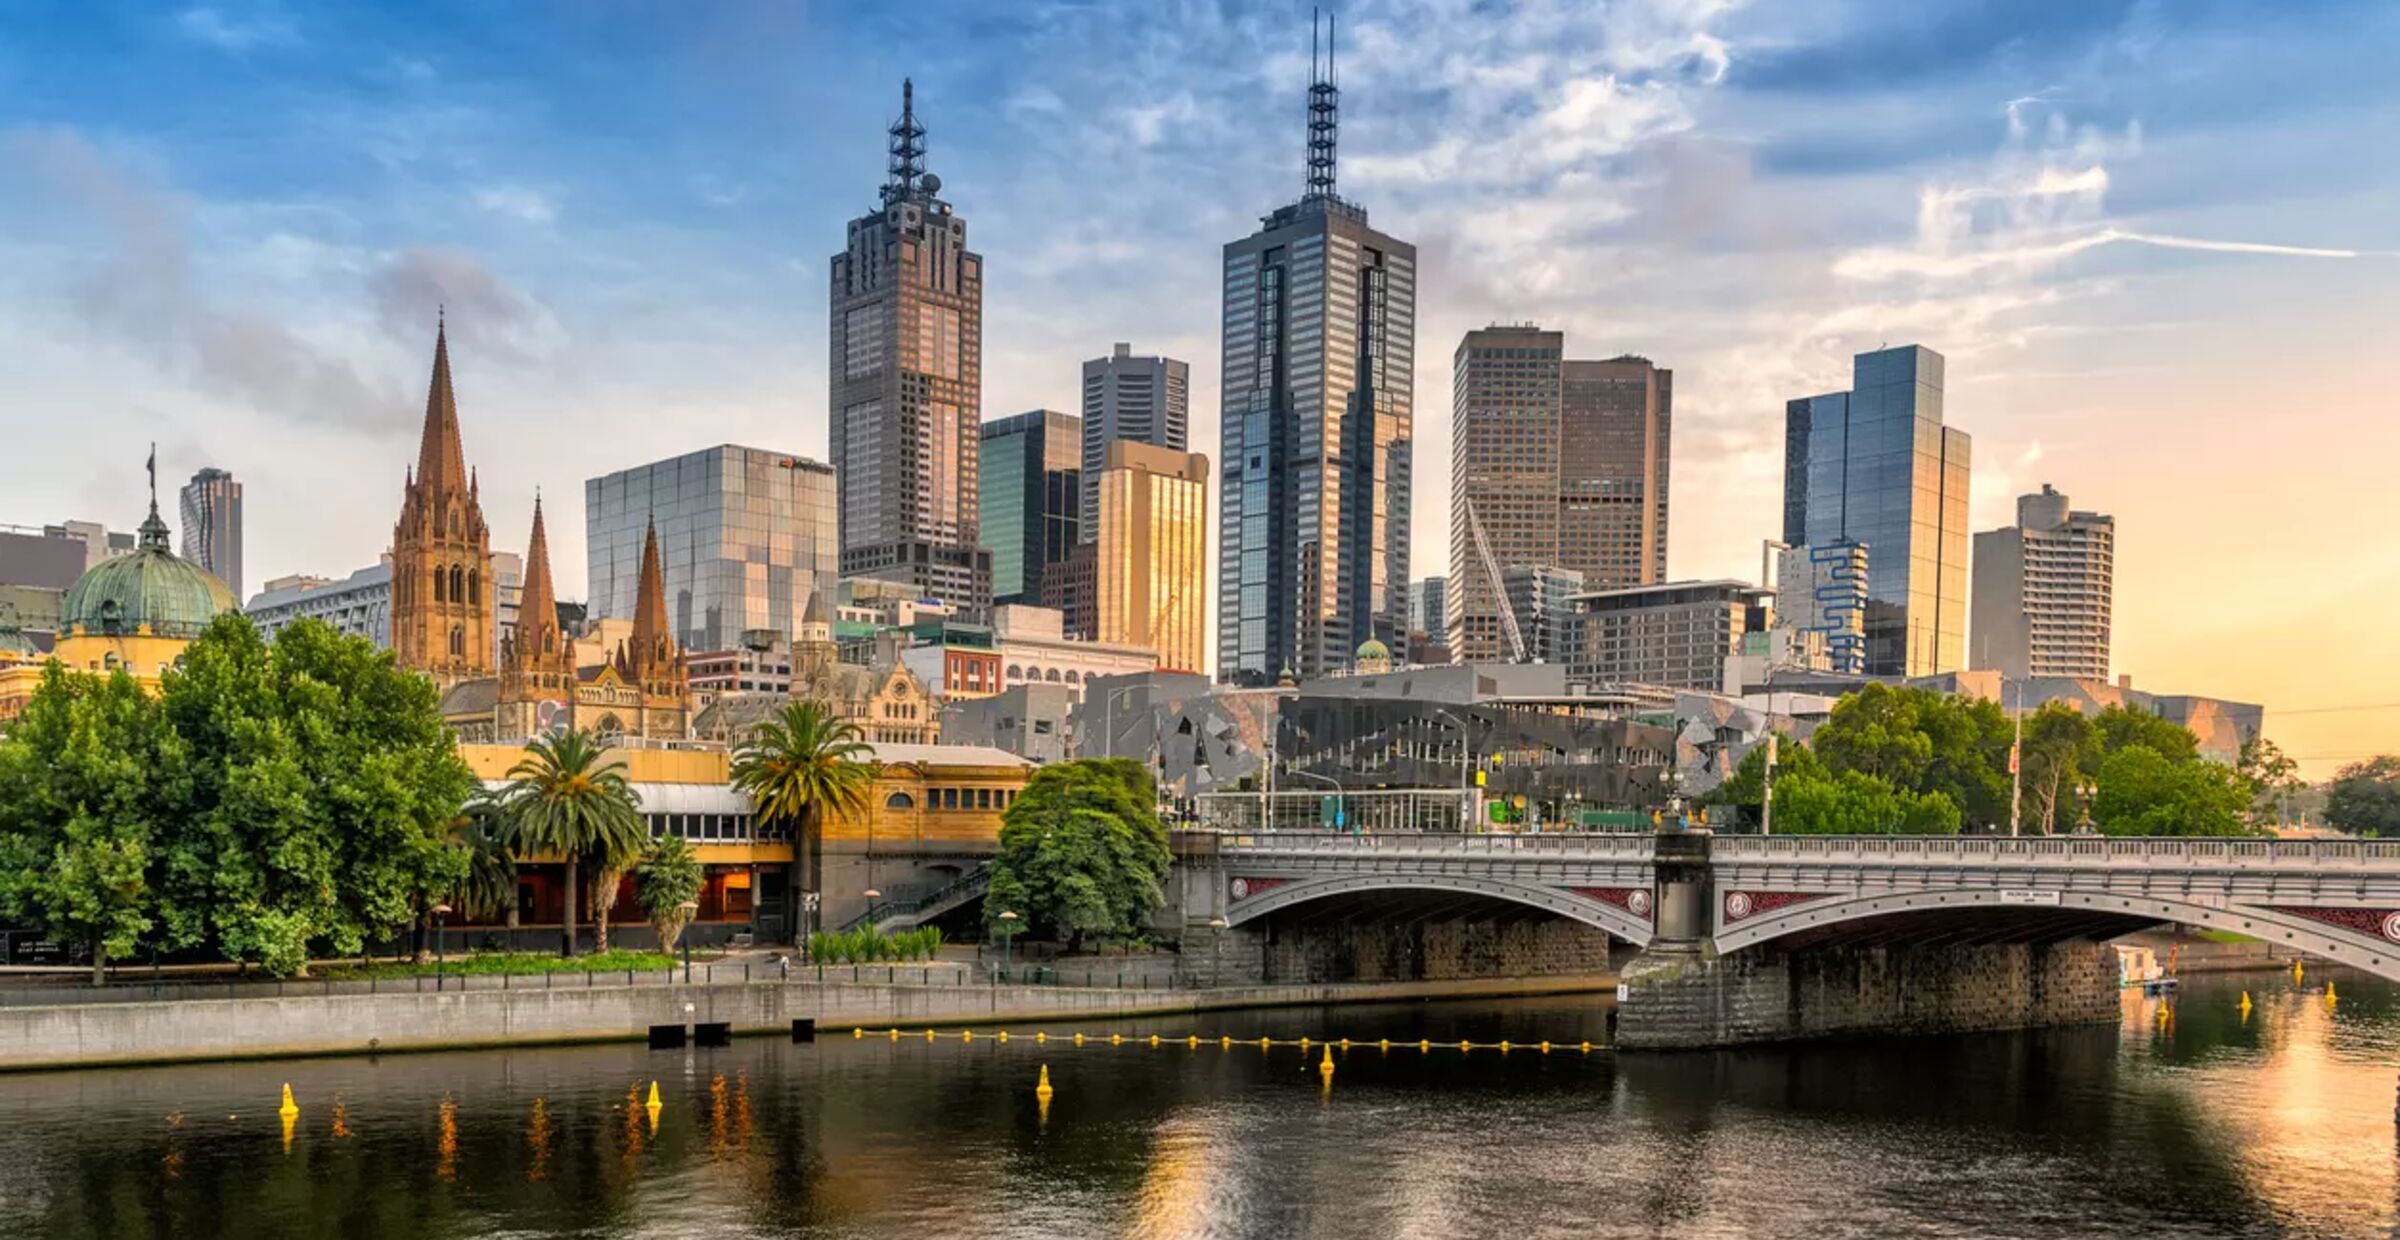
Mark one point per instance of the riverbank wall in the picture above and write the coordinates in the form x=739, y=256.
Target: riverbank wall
x=117, y=1034
x=1692, y=1000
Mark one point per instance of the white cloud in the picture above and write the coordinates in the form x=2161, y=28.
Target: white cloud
x=518, y=202
x=236, y=32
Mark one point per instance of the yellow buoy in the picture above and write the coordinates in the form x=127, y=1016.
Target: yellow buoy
x=1345, y=1044
x=1041, y=1088
x=291, y=1120
x=653, y=1102
x=652, y=1108
x=1040, y=1037
x=929, y=1035
x=1545, y=1048
x=1384, y=1044
x=857, y=1032
x=1503, y=1046
x=966, y=1035
x=1423, y=1045
x=1325, y=1069
x=1003, y=1035
x=1587, y=1048
x=1304, y=1041
x=1264, y=1043
x=1079, y=1039
x=895, y=1033
x=1193, y=1041
x=1225, y=1043
x=289, y=1107
x=2330, y=997
x=1116, y=1039
x=1154, y=1039
x=2297, y=973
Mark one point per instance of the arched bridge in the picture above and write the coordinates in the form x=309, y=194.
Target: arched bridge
x=2336, y=899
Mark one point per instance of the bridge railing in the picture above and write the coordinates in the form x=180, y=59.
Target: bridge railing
x=2056, y=850
x=1431, y=844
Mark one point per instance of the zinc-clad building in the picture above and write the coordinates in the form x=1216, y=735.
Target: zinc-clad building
x=1031, y=498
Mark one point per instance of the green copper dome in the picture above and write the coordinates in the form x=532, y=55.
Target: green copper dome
x=1373, y=648
x=147, y=588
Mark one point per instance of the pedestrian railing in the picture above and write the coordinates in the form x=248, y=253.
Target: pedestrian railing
x=1562, y=845
x=2201, y=852
x=128, y=987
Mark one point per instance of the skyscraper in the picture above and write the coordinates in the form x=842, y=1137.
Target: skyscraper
x=1151, y=570
x=1032, y=496
x=1146, y=399
x=746, y=539
x=212, y=525
x=1319, y=346
x=1875, y=465
x=443, y=598
x=1616, y=421
x=1504, y=479
x=2044, y=589
x=1425, y=605
x=1823, y=591
x=907, y=378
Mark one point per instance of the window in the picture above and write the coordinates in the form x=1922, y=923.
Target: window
x=983, y=798
x=899, y=800
x=437, y=586
x=458, y=640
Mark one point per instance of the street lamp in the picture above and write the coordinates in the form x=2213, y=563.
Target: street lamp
x=1108, y=718
x=1008, y=938
x=689, y=910
x=1336, y=784
x=1469, y=817
x=440, y=911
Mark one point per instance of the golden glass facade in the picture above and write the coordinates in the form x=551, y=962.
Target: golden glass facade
x=1152, y=562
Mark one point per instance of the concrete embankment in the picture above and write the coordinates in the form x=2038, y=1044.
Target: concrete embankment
x=104, y=1034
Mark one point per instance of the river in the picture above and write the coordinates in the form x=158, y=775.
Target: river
x=2186, y=1119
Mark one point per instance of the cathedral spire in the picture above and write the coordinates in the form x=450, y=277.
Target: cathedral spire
x=650, y=636
x=537, y=606
x=441, y=460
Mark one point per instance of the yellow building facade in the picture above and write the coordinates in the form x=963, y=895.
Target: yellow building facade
x=1150, y=571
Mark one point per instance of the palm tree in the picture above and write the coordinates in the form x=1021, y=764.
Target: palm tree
x=489, y=887
x=796, y=766
x=563, y=797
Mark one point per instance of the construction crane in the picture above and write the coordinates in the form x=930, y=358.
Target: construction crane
x=1491, y=568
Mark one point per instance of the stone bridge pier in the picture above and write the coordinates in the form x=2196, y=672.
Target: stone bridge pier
x=1739, y=939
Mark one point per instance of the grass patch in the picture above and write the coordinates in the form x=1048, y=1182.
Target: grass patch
x=517, y=963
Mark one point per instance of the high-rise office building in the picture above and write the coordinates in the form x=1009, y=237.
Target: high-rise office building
x=1504, y=494
x=1031, y=501
x=745, y=538
x=1541, y=597
x=1616, y=420
x=212, y=525
x=1555, y=463
x=1425, y=613
x=1150, y=573
x=1675, y=633
x=1319, y=348
x=1146, y=399
x=907, y=378
x=1823, y=591
x=1875, y=465
x=2044, y=589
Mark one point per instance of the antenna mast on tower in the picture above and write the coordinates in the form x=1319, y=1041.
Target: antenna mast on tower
x=1324, y=110
x=908, y=148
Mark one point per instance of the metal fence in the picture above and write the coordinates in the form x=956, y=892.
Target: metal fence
x=123, y=988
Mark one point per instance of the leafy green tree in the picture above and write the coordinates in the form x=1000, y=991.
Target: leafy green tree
x=2059, y=742
x=2273, y=778
x=2145, y=792
x=1745, y=788
x=1082, y=853
x=566, y=796
x=665, y=878
x=2120, y=727
x=2364, y=797
x=310, y=788
x=1819, y=802
x=79, y=822
x=797, y=767
x=1920, y=741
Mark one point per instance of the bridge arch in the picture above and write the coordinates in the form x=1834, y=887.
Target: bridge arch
x=2364, y=952
x=1617, y=922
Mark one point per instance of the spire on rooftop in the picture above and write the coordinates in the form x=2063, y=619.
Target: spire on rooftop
x=441, y=460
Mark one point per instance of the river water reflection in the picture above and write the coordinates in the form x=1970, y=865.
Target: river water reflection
x=2188, y=1119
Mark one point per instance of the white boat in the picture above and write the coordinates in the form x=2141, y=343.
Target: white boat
x=2138, y=966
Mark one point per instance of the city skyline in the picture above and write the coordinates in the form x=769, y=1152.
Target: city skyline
x=2037, y=223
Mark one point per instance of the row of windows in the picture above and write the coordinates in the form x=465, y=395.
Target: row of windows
x=955, y=799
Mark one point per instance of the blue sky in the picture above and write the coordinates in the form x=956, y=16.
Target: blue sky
x=2156, y=241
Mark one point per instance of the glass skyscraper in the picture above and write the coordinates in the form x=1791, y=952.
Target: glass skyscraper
x=745, y=537
x=212, y=525
x=1876, y=466
x=1319, y=353
x=1031, y=498
x=1146, y=399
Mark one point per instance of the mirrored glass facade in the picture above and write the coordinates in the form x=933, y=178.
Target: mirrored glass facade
x=745, y=536
x=1876, y=466
x=1031, y=498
